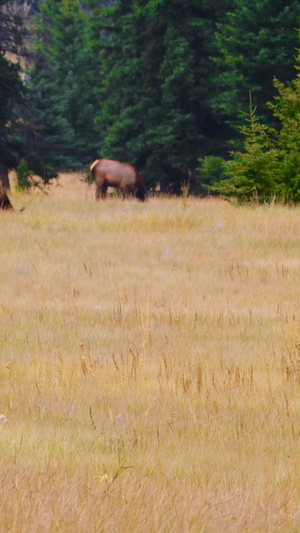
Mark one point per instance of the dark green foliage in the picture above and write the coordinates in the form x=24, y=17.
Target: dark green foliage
x=11, y=95
x=156, y=67
x=49, y=138
x=62, y=86
x=257, y=42
x=11, y=90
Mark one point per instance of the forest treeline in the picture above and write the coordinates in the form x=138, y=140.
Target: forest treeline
x=179, y=89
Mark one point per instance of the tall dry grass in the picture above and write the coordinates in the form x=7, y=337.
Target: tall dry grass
x=149, y=365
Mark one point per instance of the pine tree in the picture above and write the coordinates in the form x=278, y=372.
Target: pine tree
x=268, y=168
x=11, y=90
x=155, y=97
x=62, y=87
x=48, y=137
x=257, y=42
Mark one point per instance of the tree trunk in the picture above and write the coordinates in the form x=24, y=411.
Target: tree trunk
x=4, y=175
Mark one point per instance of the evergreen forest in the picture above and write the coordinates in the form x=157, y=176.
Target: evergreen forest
x=204, y=93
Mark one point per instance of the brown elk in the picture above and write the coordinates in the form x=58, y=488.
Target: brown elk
x=109, y=173
x=4, y=200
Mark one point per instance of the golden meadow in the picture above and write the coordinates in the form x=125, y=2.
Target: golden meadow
x=150, y=365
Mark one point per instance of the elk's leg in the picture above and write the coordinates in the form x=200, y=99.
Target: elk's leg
x=104, y=190
x=98, y=191
x=130, y=190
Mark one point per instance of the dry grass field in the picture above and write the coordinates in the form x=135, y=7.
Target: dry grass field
x=150, y=365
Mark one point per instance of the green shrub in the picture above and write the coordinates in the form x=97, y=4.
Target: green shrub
x=269, y=167
x=24, y=176
x=209, y=171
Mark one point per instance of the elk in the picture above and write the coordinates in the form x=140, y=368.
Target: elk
x=109, y=173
